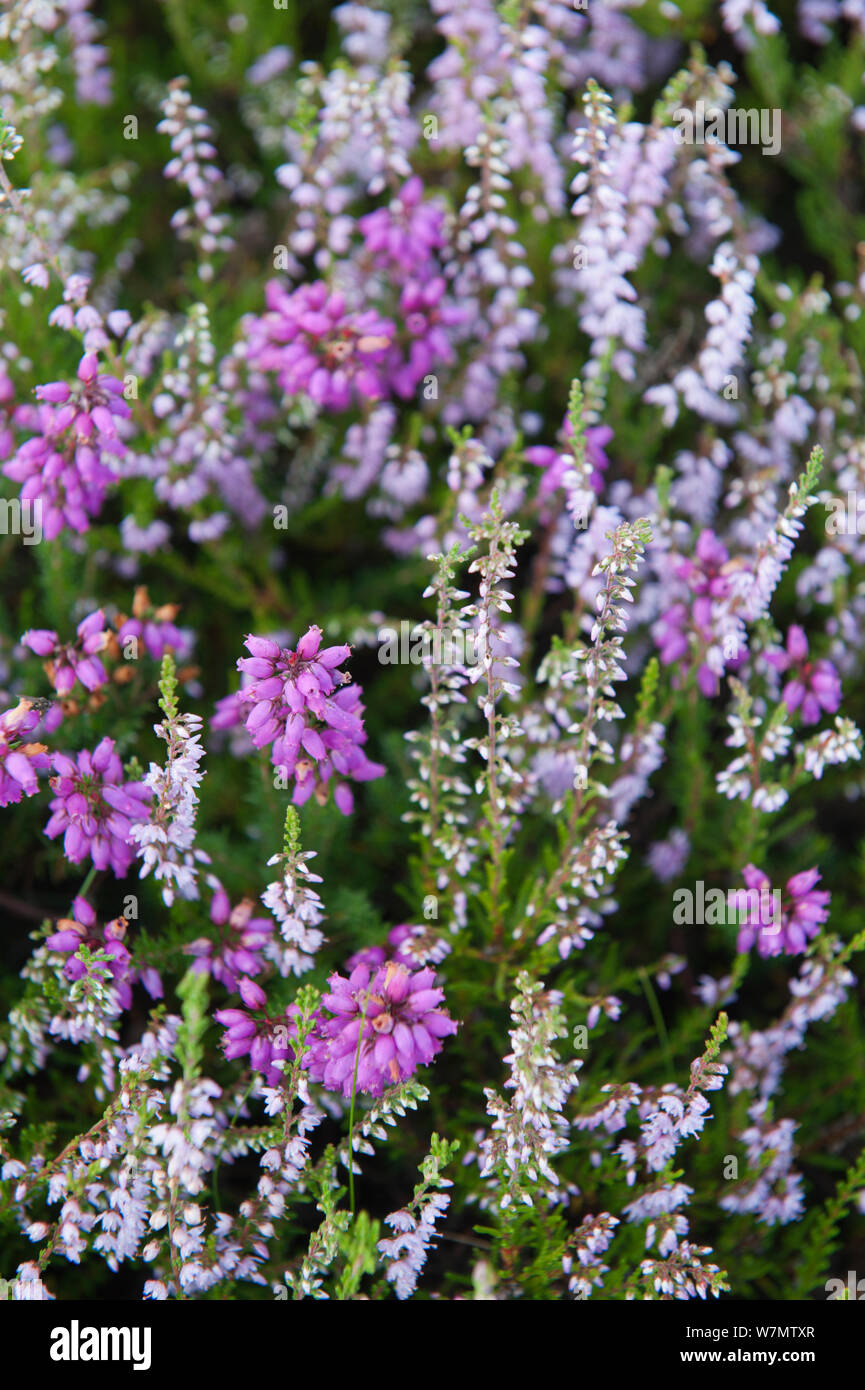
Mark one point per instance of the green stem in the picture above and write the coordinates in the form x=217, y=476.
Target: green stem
x=82, y=891
x=661, y=1027
x=351, y=1112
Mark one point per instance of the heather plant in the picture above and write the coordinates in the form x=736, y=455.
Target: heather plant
x=341, y=967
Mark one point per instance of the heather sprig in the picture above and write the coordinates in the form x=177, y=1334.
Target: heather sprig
x=557, y=907
x=166, y=841
x=530, y=1128
x=193, y=166
x=294, y=903
x=405, y=1253
x=497, y=540
x=440, y=790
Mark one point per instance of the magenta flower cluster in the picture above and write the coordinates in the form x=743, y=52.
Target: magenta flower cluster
x=238, y=950
x=708, y=577
x=318, y=347
x=804, y=908
x=406, y=235
x=812, y=686
x=427, y=317
x=20, y=756
x=82, y=929
x=157, y=636
x=384, y=1023
x=94, y=808
x=69, y=461
x=338, y=355
x=72, y=661
x=303, y=708
x=374, y=956
x=251, y=1031
x=556, y=462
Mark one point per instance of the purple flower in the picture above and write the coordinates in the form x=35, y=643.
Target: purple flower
x=557, y=462
x=425, y=318
x=75, y=660
x=319, y=348
x=667, y=858
x=706, y=572
x=708, y=577
x=267, y=1040
x=393, y=1013
x=82, y=930
x=229, y=712
x=20, y=759
x=7, y=395
x=803, y=908
x=154, y=627
x=95, y=809
x=405, y=235
x=92, y=74
x=156, y=637
x=62, y=466
x=670, y=633
x=815, y=685
x=374, y=956
x=241, y=941
x=316, y=729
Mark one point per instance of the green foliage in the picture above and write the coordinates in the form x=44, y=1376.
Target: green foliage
x=193, y=994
